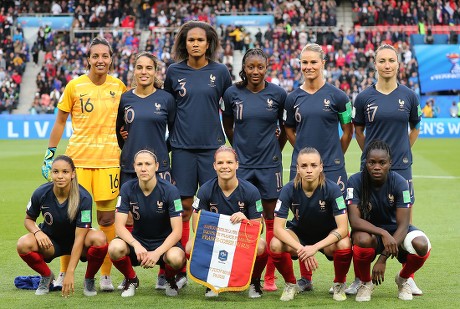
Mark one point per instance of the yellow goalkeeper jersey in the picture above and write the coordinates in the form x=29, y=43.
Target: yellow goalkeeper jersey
x=93, y=109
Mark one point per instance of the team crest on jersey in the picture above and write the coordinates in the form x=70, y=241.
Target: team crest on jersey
x=212, y=81
x=401, y=105
x=160, y=207
x=391, y=199
x=112, y=93
x=157, y=108
x=405, y=160
x=269, y=104
x=327, y=105
x=241, y=206
x=322, y=206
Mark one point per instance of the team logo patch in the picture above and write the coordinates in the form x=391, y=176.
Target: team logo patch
x=160, y=207
x=157, y=108
x=212, y=81
x=340, y=203
x=196, y=203
x=259, y=207
x=406, y=196
x=322, y=205
x=241, y=206
x=269, y=104
x=391, y=199
x=223, y=255
x=177, y=205
x=401, y=105
x=327, y=105
x=86, y=216
x=112, y=93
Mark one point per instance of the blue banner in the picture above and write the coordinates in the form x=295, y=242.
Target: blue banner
x=56, y=22
x=438, y=67
x=245, y=20
x=440, y=128
x=39, y=127
x=29, y=126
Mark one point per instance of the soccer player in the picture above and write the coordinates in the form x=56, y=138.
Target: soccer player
x=92, y=101
x=320, y=223
x=197, y=83
x=384, y=111
x=157, y=230
x=253, y=111
x=379, y=205
x=230, y=195
x=313, y=115
x=66, y=229
x=145, y=113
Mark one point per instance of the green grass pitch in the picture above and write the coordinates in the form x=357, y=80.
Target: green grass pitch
x=436, y=211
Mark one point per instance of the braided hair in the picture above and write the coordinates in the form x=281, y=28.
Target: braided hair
x=364, y=205
x=250, y=52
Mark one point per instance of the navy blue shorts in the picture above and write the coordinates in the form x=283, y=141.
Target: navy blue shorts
x=268, y=181
x=151, y=247
x=191, y=168
x=402, y=254
x=407, y=175
x=63, y=248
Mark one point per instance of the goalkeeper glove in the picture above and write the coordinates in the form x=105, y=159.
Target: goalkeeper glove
x=47, y=162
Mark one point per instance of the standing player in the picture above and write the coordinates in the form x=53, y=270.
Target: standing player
x=92, y=101
x=253, y=111
x=229, y=195
x=157, y=230
x=384, y=111
x=379, y=205
x=66, y=209
x=145, y=113
x=197, y=83
x=320, y=223
x=314, y=113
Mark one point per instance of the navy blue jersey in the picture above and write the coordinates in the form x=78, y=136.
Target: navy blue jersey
x=197, y=94
x=151, y=213
x=386, y=117
x=313, y=216
x=256, y=117
x=56, y=223
x=316, y=118
x=146, y=120
x=245, y=198
x=393, y=194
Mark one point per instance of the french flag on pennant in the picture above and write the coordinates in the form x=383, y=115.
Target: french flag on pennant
x=223, y=253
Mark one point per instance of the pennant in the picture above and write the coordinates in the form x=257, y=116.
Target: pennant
x=223, y=253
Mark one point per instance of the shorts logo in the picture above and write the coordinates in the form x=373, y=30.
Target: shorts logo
x=405, y=160
x=212, y=81
x=223, y=255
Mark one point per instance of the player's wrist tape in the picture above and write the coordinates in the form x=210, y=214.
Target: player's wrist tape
x=37, y=231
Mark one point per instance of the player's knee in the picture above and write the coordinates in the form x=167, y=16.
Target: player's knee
x=117, y=249
x=276, y=246
x=105, y=218
x=344, y=243
x=175, y=257
x=261, y=247
x=420, y=245
x=362, y=239
x=97, y=238
x=24, y=244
